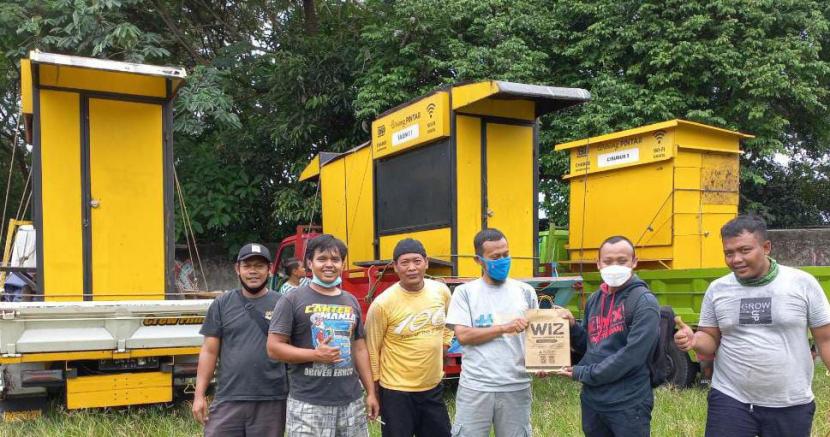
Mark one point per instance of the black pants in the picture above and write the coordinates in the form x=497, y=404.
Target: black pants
x=422, y=414
x=634, y=421
x=730, y=417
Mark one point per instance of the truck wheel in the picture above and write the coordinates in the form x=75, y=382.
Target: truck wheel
x=681, y=369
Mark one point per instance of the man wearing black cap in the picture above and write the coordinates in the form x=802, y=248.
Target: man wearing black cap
x=407, y=339
x=251, y=388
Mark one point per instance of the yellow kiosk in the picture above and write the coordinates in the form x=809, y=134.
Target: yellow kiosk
x=440, y=168
x=103, y=176
x=669, y=187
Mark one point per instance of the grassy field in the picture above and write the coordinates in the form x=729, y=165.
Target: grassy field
x=555, y=413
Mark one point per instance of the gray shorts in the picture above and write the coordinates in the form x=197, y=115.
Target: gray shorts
x=477, y=411
x=239, y=418
x=309, y=420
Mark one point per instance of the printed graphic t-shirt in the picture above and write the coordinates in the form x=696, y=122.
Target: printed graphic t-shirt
x=245, y=372
x=499, y=364
x=308, y=318
x=764, y=358
x=405, y=334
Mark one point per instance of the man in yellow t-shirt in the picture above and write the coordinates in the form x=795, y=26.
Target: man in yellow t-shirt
x=407, y=340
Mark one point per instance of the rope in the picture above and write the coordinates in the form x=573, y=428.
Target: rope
x=23, y=197
x=188, y=226
x=9, y=179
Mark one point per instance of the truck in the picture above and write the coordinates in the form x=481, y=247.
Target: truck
x=465, y=157
x=97, y=319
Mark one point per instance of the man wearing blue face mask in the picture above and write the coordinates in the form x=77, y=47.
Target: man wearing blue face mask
x=488, y=318
x=618, y=331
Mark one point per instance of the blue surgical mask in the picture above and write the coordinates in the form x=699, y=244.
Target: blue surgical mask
x=497, y=269
x=332, y=284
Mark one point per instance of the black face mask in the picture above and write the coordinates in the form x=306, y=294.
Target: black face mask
x=253, y=290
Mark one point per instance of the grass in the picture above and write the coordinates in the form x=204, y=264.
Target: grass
x=555, y=413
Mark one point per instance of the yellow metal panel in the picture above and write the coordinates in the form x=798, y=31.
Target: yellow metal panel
x=126, y=177
x=687, y=178
x=333, y=189
x=60, y=159
x=99, y=355
x=720, y=178
x=688, y=241
x=463, y=95
x=118, y=389
x=514, y=108
x=26, y=86
x=312, y=170
x=437, y=243
x=417, y=123
x=695, y=136
x=468, y=190
x=665, y=125
x=359, y=205
x=612, y=209
x=712, y=246
x=511, y=192
x=649, y=258
x=686, y=201
x=621, y=152
x=687, y=158
x=105, y=81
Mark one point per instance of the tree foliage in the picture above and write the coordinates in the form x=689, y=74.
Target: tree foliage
x=271, y=83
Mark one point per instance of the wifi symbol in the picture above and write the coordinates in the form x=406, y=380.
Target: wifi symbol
x=659, y=135
x=430, y=109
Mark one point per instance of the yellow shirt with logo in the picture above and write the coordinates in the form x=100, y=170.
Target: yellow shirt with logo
x=406, y=335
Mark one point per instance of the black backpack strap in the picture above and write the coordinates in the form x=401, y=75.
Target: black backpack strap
x=630, y=300
x=255, y=315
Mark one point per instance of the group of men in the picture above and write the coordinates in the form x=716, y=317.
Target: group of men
x=343, y=371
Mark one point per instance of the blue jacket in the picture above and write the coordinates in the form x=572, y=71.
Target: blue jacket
x=614, y=371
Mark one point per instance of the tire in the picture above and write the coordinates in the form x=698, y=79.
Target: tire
x=681, y=370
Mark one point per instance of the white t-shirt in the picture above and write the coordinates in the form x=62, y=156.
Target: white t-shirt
x=499, y=364
x=764, y=356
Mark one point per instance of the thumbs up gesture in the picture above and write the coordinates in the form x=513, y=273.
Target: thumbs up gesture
x=684, y=338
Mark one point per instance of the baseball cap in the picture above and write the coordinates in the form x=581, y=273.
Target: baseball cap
x=253, y=249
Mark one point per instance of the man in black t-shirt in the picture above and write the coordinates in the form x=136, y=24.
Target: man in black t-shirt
x=318, y=330
x=251, y=388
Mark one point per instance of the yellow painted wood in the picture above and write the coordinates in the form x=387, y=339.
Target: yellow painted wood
x=517, y=109
x=464, y=95
x=118, y=389
x=436, y=242
x=360, y=222
x=649, y=128
x=510, y=191
x=126, y=177
x=103, y=81
x=333, y=195
x=60, y=158
x=311, y=170
x=671, y=206
x=468, y=191
x=99, y=355
x=418, y=123
x=26, y=97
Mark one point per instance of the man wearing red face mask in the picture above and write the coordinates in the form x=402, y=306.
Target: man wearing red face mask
x=617, y=334
x=755, y=321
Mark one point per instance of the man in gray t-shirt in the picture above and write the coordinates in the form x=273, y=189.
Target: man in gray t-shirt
x=318, y=330
x=488, y=316
x=251, y=388
x=755, y=321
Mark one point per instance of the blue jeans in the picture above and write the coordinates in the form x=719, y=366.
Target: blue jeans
x=634, y=421
x=730, y=417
